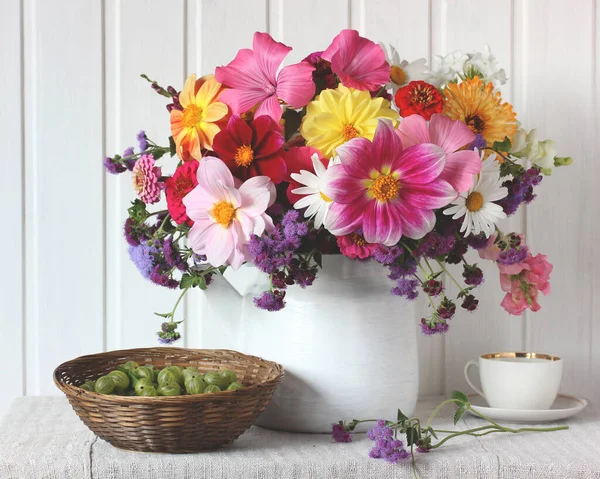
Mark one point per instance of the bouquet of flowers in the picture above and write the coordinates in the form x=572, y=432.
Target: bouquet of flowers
x=351, y=151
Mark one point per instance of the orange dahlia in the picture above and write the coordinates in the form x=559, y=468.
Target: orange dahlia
x=476, y=104
x=202, y=117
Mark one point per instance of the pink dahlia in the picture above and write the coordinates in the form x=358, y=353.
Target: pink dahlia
x=451, y=136
x=252, y=79
x=355, y=246
x=224, y=216
x=386, y=190
x=357, y=61
x=146, y=179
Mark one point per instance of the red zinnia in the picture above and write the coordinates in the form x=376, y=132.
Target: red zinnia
x=419, y=97
x=180, y=184
x=252, y=149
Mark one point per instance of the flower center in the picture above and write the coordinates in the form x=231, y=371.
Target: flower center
x=183, y=185
x=192, y=114
x=474, y=201
x=475, y=123
x=223, y=212
x=357, y=239
x=422, y=95
x=138, y=181
x=385, y=188
x=268, y=88
x=244, y=156
x=397, y=75
x=324, y=197
x=349, y=132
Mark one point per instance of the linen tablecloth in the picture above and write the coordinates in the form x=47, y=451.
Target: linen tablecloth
x=41, y=437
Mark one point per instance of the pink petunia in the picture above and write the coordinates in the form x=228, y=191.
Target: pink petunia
x=451, y=135
x=224, y=216
x=357, y=61
x=385, y=190
x=253, y=79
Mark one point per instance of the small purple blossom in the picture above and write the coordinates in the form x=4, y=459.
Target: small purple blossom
x=392, y=450
x=479, y=142
x=380, y=431
x=513, y=255
x=172, y=255
x=433, y=287
x=456, y=255
x=142, y=256
x=142, y=140
x=520, y=190
x=401, y=270
x=434, y=245
x=339, y=433
x=446, y=308
x=470, y=303
x=406, y=287
x=114, y=168
x=479, y=241
x=159, y=277
x=270, y=300
x=387, y=254
x=472, y=275
x=434, y=325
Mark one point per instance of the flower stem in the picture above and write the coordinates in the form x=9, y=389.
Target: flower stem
x=440, y=406
x=459, y=286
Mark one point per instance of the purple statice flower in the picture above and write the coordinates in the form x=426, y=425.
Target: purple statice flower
x=158, y=276
x=520, y=190
x=479, y=241
x=142, y=256
x=128, y=152
x=433, y=325
x=434, y=244
x=172, y=255
x=513, y=255
x=339, y=433
x=479, y=142
x=292, y=226
x=392, y=450
x=142, y=140
x=446, y=308
x=271, y=300
x=472, y=274
x=433, y=287
x=380, y=431
x=387, y=254
x=401, y=270
x=129, y=162
x=114, y=168
x=469, y=303
x=406, y=287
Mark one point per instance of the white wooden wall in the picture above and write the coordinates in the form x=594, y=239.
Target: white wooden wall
x=71, y=93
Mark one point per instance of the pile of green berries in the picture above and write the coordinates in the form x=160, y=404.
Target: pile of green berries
x=131, y=379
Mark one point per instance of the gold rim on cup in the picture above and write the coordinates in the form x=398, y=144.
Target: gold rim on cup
x=547, y=357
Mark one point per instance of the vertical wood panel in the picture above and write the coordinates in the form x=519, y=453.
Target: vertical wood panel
x=464, y=26
x=64, y=202
x=562, y=222
x=142, y=36
x=11, y=197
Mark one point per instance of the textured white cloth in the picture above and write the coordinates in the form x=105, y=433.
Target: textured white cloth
x=41, y=437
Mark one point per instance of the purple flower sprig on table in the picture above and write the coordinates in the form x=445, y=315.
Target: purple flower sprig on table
x=417, y=437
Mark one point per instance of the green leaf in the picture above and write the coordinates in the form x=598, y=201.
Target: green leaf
x=413, y=434
x=460, y=396
x=432, y=432
x=172, y=146
x=318, y=257
x=503, y=145
x=202, y=282
x=163, y=315
x=458, y=414
x=158, y=154
x=401, y=417
x=187, y=281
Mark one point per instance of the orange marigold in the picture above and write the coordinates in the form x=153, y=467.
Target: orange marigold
x=476, y=104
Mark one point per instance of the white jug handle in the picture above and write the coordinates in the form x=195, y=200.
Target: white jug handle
x=467, y=368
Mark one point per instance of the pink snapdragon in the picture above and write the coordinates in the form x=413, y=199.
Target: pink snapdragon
x=252, y=79
x=451, y=136
x=357, y=61
x=225, y=217
x=386, y=190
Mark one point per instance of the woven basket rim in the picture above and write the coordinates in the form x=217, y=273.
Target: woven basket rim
x=70, y=389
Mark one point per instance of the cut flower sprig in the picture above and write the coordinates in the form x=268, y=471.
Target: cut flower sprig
x=425, y=438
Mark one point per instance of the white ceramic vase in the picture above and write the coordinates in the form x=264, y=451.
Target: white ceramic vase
x=347, y=345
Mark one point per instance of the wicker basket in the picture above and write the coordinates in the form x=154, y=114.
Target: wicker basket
x=175, y=424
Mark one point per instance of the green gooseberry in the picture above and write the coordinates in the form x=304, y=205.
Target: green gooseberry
x=229, y=374
x=191, y=373
x=142, y=384
x=169, y=389
x=145, y=372
x=121, y=380
x=195, y=385
x=149, y=392
x=178, y=371
x=212, y=388
x=89, y=386
x=104, y=385
x=166, y=376
x=235, y=385
x=216, y=379
x=130, y=365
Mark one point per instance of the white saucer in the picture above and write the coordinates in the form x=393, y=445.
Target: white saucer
x=565, y=406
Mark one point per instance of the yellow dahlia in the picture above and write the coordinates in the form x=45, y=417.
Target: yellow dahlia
x=202, y=117
x=339, y=115
x=477, y=104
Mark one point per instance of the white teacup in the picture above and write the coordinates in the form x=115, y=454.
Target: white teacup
x=518, y=380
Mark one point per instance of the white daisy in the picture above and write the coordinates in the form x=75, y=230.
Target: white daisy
x=489, y=165
x=402, y=72
x=477, y=205
x=316, y=202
